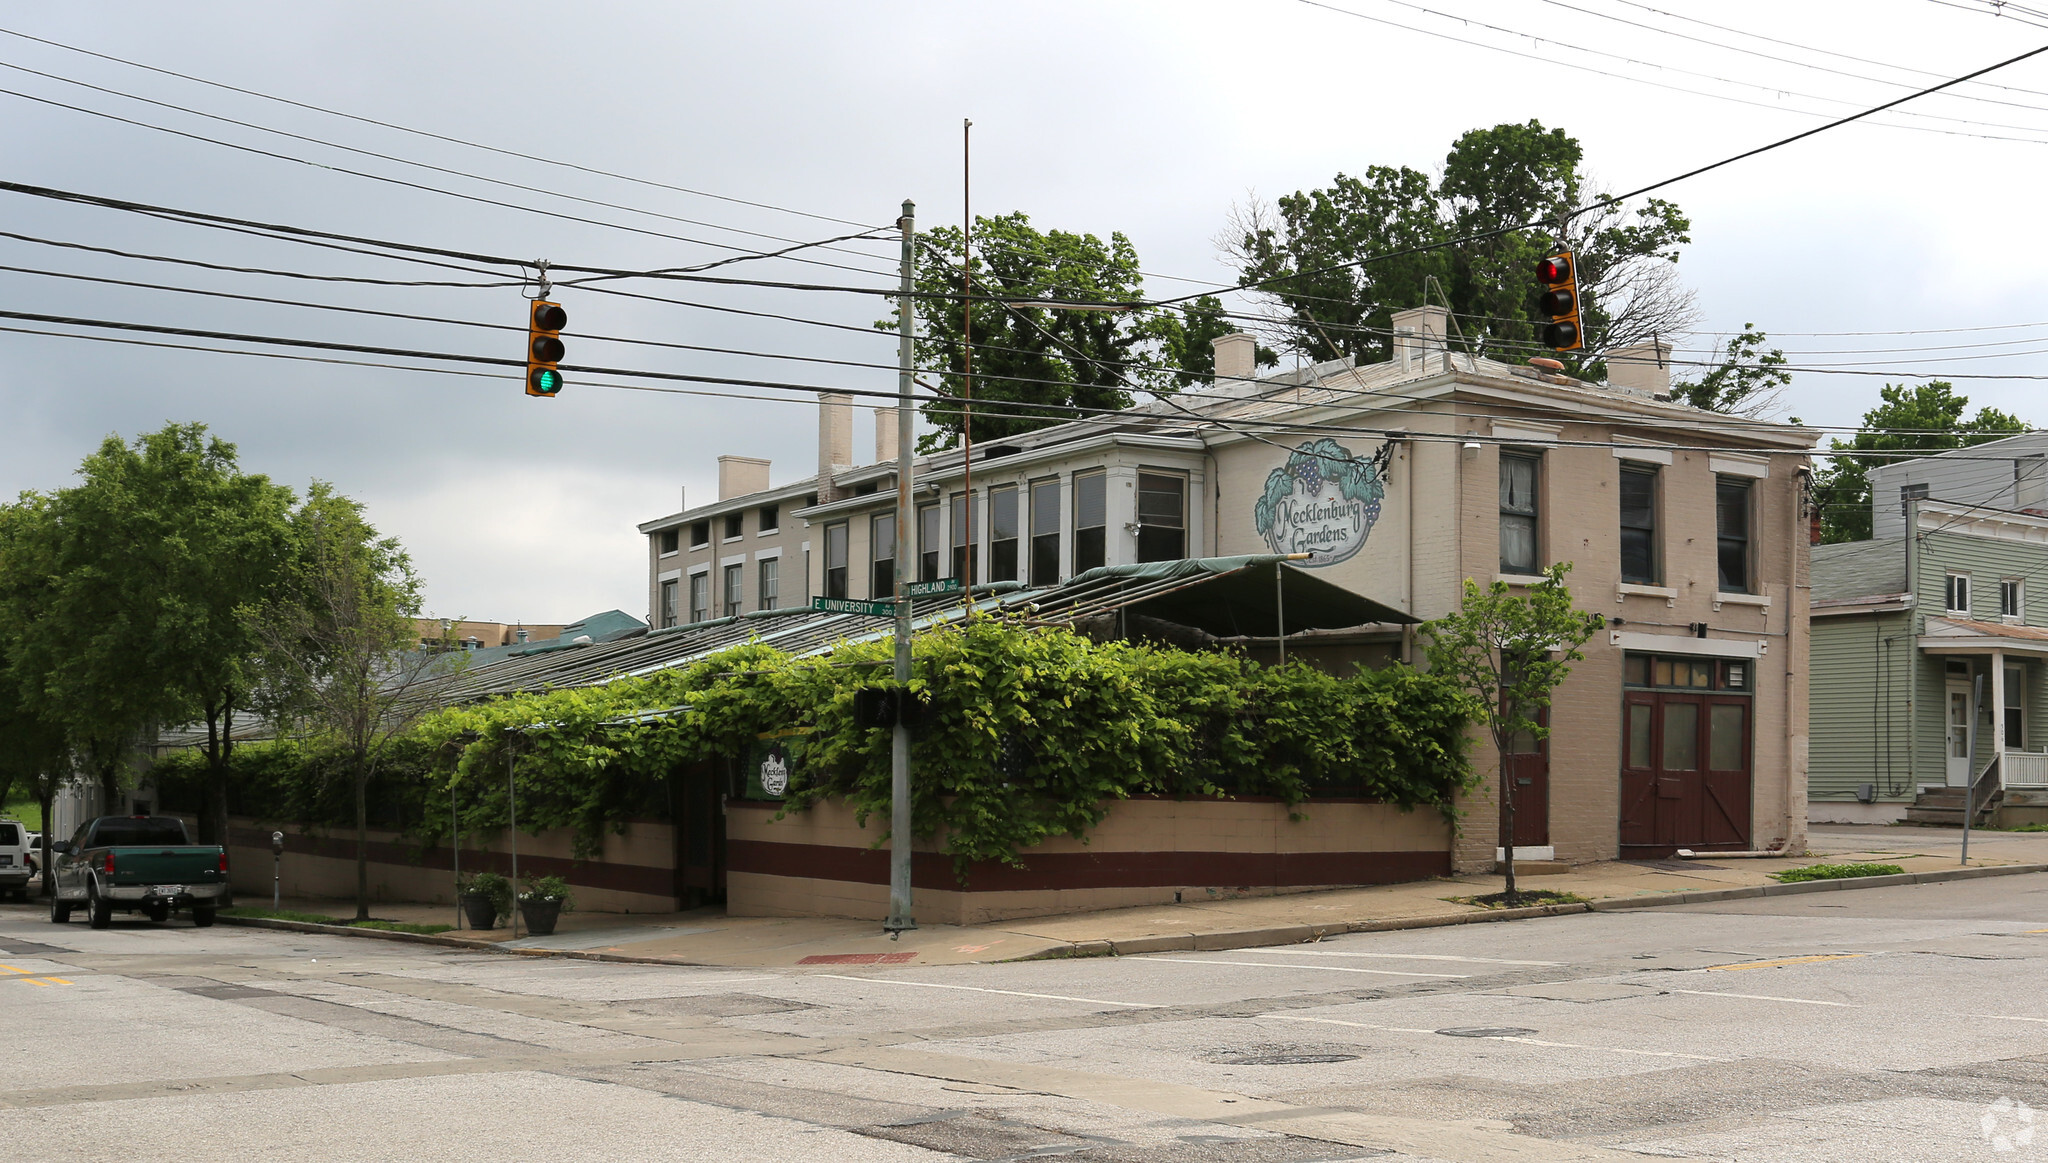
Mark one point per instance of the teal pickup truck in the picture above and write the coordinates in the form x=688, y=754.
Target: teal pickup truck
x=137, y=864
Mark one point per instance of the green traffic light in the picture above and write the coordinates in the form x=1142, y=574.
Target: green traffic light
x=546, y=381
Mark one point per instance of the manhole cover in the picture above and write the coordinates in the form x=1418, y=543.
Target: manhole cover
x=1486, y=1032
x=1290, y=1059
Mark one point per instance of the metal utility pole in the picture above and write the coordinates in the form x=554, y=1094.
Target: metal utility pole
x=967, y=560
x=899, y=752
x=512, y=814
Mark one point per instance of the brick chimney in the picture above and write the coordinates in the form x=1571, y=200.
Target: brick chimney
x=835, y=440
x=1646, y=367
x=740, y=475
x=885, y=435
x=1237, y=357
x=1419, y=331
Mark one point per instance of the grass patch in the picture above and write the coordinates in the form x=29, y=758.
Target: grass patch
x=1522, y=899
x=401, y=927
x=2026, y=828
x=26, y=811
x=281, y=915
x=1835, y=872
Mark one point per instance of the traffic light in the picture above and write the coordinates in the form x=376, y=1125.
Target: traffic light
x=1559, y=275
x=544, y=348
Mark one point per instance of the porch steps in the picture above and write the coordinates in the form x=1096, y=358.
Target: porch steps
x=1943, y=806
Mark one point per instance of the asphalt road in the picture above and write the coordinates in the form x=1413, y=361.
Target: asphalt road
x=1888, y=1024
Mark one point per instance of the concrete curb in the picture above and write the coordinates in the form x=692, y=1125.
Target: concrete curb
x=1299, y=934
x=473, y=944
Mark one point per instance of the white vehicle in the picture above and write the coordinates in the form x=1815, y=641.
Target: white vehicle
x=15, y=868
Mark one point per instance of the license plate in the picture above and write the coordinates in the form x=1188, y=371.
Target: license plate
x=5, y=861
x=169, y=890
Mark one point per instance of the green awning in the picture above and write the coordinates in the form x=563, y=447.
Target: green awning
x=1231, y=596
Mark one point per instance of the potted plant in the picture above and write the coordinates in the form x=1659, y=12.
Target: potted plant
x=543, y=901
x=484, y=896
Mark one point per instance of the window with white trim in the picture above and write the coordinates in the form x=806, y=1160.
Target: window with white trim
x=2009, y=598
x=1956, y=598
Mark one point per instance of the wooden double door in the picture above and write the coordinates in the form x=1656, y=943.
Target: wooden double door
x=1686, y=772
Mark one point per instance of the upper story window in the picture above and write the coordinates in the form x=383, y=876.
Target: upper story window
x=700, y=534
x=882, y=543
x=1911, y=493
x=771, y=583
x=1002, y=533
x=1045, y=532
x=735, y=589
x=929, y=547
x=835, y=560
x=1731, y=530
x=1639, y=524
x=2030, y=482
x=735, y=525
x=1162, y=517
x=966, y=534
x=670, y=540
x=700, y=596
x=669, y=598
x=2009, y=599
x=1091, y=520
x=1956, y=598
x=770, y=519
x=1518, y=512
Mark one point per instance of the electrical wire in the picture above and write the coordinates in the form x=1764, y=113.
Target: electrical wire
x=424, y=133
x=193, y=262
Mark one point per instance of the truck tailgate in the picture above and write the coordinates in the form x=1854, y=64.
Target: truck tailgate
x=166, y=865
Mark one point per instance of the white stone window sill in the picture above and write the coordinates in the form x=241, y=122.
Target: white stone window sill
x=730, y=540
x=1761, y=601
x=768, y=532
x=1665, y=592
x=1521, y=579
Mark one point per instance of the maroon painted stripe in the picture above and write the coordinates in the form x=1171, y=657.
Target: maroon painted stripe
x=1065, y=870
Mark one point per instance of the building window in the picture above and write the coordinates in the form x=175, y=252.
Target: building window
x=835, y=560
x=928, y=547
x=1731, y=528
x=670, y=541
x=1639, y=525
x=2015, y=710
x=1045, y=532
x=771, y=582
x=1091, y=518
x=882, y=539
x=700, y=534
x=2009, y=598
x=1518, y=513
x=1956, y=599
x=966, y=531
x=735, y=525
x=669, y=596
x=700, y=596
x=1002, y=533
x=770, y=518
x=1911, y=493
x=1162, y=517
x=735, y=589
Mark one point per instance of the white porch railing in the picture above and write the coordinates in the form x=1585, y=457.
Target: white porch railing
x=2025, y=769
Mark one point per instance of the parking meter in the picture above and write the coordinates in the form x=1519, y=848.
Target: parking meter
x=276, y=869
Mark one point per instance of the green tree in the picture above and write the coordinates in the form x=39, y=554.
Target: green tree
x=1749, y=381
x=1916, y=418
x=1493, y=181
x=1511, y=651
x=33, y=755
x=344, y=650
x=1032, y=363
x=130, y=616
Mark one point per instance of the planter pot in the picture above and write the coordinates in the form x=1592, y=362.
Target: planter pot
x=479, y=911
x=540, y=916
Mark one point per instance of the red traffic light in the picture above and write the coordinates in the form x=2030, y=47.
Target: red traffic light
x=1555, y=269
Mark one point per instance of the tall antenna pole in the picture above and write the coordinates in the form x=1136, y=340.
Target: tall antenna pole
x=899, y=736
x=967, y=353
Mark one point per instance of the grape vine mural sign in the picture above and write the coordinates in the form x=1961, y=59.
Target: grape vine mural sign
x=1323, y=501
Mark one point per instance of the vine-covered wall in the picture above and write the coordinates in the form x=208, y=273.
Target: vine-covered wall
x=1030, y=733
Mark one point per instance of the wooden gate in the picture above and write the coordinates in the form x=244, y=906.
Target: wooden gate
x=1685, y=777
x=700, y=834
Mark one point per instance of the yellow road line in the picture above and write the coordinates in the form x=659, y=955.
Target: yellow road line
x=1783, y=961
x=34, y=982
x=59, y=980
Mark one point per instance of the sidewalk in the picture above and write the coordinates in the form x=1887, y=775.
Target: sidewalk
x=709, y=937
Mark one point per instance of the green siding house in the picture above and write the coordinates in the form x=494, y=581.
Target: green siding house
x=1930, y=669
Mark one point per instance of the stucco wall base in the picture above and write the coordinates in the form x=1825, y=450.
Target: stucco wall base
x=1855, y=812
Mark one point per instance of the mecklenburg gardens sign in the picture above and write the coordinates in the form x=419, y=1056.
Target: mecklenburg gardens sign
x=1322, y=502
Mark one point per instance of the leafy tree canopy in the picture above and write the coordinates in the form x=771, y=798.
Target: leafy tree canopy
x=1918, y=418
x=1031, y=363
x=1492, y=180
x=1749, y=380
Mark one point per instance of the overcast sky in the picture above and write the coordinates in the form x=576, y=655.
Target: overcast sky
x=1152, y=119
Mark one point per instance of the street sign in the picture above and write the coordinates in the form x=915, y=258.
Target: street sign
x=945, y=585
x=849, y=606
